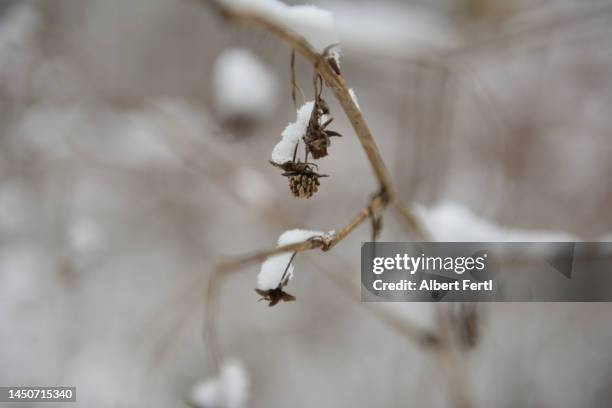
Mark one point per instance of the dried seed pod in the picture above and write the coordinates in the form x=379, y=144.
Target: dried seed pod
x=304, y=185
x=275, y=295
x=317, y=137
x=303, y=179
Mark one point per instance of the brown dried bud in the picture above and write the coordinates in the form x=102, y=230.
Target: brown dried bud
x=304, y=185
x=275, y=295
x=317, y=137
x=318, y=147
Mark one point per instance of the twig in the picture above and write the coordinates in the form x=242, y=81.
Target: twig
x=388, y=193
x=338, y=86
x=293, y=82
x=406, y=328
x=420, y=335
x=324, y=243
x=387, y=196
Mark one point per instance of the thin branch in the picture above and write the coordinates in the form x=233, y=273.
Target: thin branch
x=338, y=86
x=388, y=193
x=293, y=80
x=325, y=243
x=407, y=328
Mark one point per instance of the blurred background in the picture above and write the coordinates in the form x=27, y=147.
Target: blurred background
x=134, y=146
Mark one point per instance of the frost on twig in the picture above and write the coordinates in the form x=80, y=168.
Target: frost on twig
x=229, y=389
x=277, y=270
x=245, y=90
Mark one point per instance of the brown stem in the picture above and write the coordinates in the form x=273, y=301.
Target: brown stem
x=325, y=243
x=338, y=86
x=388, y=195
x=422, y=336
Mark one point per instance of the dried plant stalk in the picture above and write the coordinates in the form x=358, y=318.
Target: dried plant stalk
x=439, y=342
x=335, y=82
x=324, y=243
x=402, y=326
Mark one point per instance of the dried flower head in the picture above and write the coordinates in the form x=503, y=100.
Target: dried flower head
x=303, y=179
x=274, y=296
x=277, y=270
x=317, y=137
x=304, y=185
x=310, y=127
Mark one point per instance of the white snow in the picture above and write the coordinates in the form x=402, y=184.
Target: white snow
x=314, y=24
x=354, y=97
x=228, y=390
x=283, y=151
x=397, y=28
x=450, y=221
x=243, y=86
x=273, y=268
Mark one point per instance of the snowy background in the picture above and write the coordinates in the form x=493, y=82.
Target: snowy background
x=134, y=145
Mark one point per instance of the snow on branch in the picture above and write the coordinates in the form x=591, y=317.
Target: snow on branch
x=277, y=270
x=451, y=221
x=276, y=18
x=314, y=24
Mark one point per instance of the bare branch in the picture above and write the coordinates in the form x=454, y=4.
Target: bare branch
x=338, y=86
x=324, y=243
x=438, y=342
x=388, y=193
x=411, y=330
